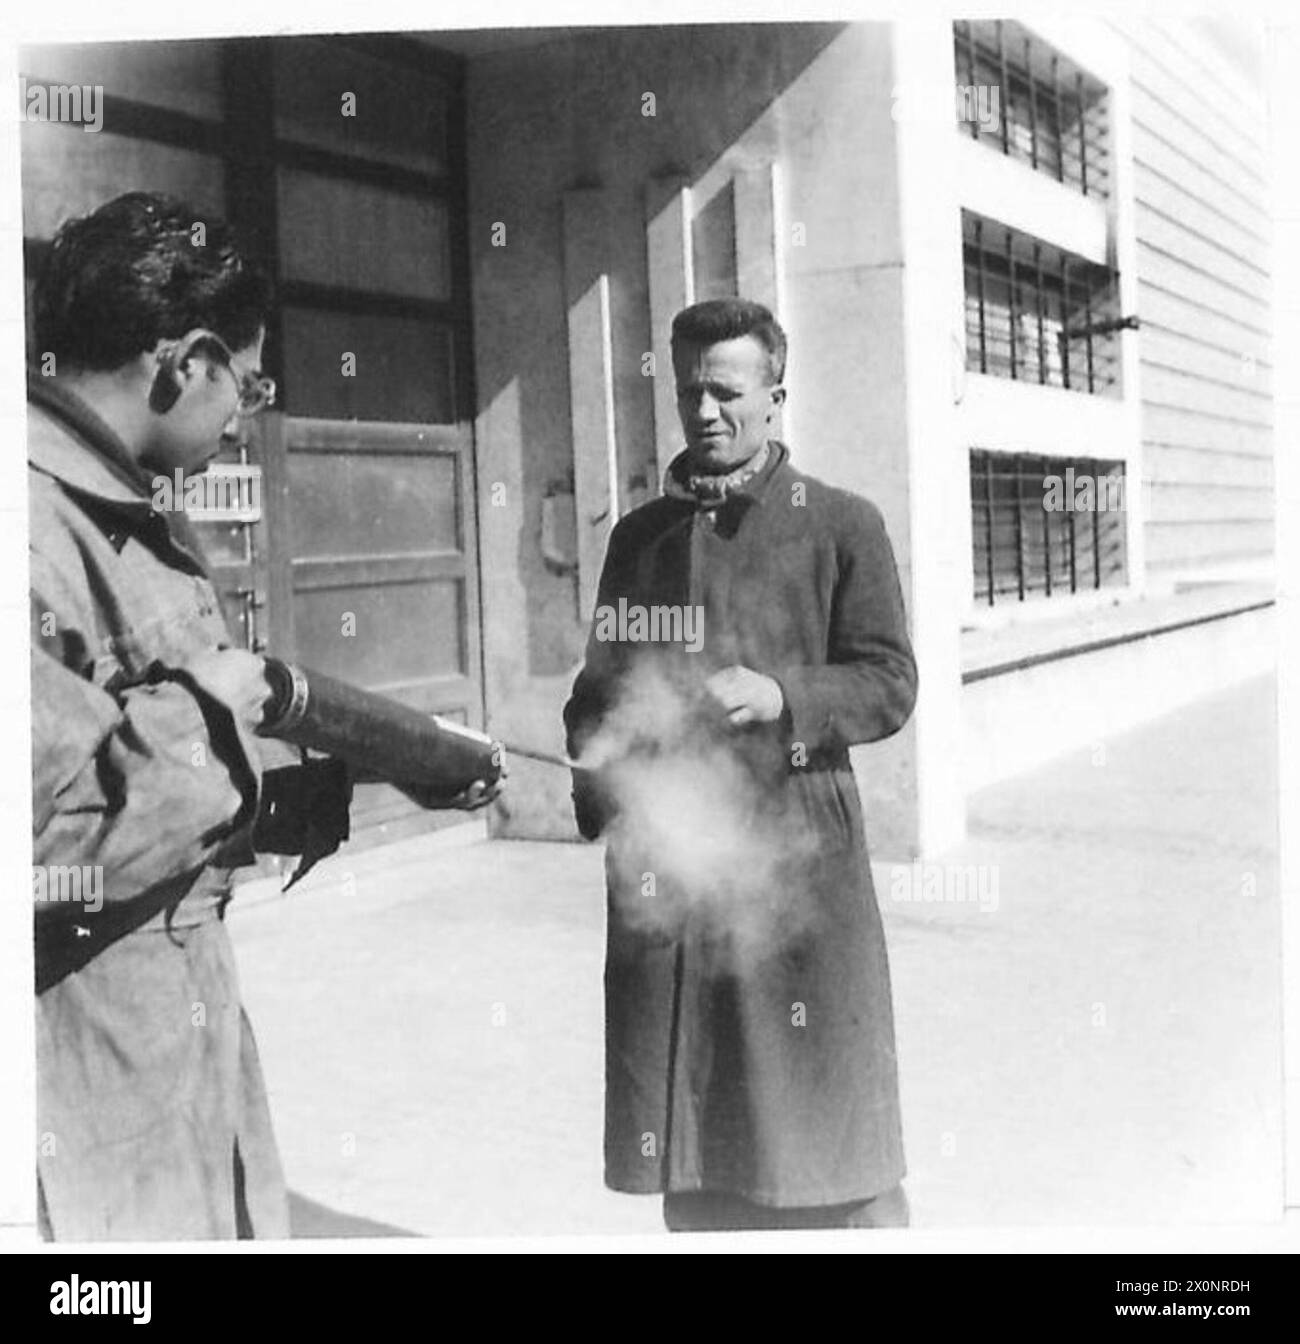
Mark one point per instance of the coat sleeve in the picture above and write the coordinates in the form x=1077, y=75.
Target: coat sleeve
x=594, y=692
x=866, y=689
x=148, y=781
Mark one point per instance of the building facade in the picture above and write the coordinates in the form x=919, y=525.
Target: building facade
x=1025, y=274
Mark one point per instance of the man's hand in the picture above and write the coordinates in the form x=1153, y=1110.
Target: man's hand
x=235, y=677
x=746, y=695
x=478, y=794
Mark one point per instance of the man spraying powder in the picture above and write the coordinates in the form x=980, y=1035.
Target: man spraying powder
x=750, y=1069
x=148, y=771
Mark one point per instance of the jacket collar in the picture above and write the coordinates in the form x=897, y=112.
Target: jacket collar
x=757, y=486
x=73, y=444
x=67, y=440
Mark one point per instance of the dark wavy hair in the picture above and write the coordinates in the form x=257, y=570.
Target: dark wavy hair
x=716, y=320
x=127, y=275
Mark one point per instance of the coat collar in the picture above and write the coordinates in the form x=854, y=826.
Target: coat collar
x=70, y=442
x=755, y=489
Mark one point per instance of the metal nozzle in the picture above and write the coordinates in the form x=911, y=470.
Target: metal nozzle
x=546, y=757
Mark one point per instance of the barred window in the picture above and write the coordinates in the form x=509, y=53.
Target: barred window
x=1045, y=526
x=1038, y=313
x=1048, y=112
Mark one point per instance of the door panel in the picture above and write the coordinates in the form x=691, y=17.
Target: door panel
x=400, y=113
x=381, y=634
x=355, y=235
x=402, y=367
x=342, y=495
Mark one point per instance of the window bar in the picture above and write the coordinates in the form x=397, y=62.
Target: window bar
x=1083, y=137
x=988, y=520
x=1074, y=569
x=979, y=290
x=1006, y=89
x=1060, y=142
x=970, y=73
x=1033, y=107
x=1017, y=468
x=1096, y=542
x=1038, y=304
x=1047, y=544
x=1087, y=326
x=1065, y=321
x=1011, y=304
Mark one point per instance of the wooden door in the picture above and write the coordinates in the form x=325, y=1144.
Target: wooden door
x=371, y=572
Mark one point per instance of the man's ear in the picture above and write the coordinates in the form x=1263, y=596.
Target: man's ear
x=778, y=398
x=166, y=387
x=174, y=358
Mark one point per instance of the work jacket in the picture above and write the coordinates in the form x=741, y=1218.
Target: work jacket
x=749, y=1029
x=152, y=1116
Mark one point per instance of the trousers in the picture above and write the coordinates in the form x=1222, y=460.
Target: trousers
x=717, y=1211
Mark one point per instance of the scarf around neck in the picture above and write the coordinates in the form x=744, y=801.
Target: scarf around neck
x=709, y=492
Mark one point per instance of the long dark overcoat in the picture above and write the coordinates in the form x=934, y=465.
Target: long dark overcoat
x=749, y=1027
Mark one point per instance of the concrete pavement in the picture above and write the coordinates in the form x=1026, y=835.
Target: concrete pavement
x=1098, y=1041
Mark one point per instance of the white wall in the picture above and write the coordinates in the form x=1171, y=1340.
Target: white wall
x=1203, y=235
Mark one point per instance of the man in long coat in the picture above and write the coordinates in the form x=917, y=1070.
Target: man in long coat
x=750, y=1064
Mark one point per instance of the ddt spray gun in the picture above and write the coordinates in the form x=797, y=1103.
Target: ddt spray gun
x=437, y=759
x=441, y=763
x=437, y=763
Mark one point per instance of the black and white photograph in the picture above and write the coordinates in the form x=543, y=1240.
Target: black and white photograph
x=652, y=627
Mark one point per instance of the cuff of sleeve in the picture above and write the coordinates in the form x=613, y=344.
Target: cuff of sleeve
x=807, y=717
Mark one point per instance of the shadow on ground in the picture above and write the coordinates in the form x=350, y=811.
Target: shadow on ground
x=309, y=1219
